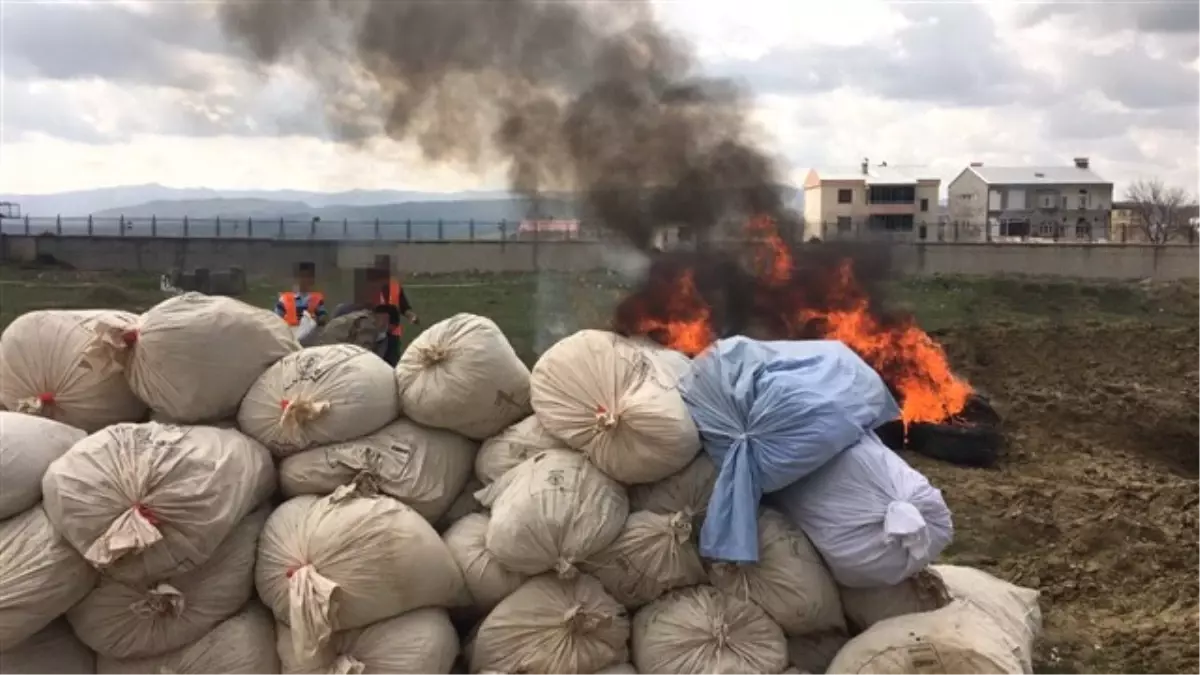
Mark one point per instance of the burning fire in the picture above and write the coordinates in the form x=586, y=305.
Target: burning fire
x=672, y=311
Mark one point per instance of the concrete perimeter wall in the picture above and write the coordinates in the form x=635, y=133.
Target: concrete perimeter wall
x=275, y=258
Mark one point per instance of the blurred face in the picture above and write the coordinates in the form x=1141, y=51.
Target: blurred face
x=305, y=281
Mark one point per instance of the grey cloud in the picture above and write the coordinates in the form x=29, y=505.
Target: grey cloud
x=1135, y=79
x=1154, y=16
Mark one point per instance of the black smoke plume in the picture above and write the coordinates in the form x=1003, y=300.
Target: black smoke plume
x=593, y=98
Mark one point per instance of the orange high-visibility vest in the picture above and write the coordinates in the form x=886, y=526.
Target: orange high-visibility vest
x=290, y=315
x=392, y=298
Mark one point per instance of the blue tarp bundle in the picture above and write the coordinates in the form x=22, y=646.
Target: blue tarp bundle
x=770, y=413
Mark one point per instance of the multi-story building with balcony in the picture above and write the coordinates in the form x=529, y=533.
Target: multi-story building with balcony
x=1062, y=203
x=868, y=202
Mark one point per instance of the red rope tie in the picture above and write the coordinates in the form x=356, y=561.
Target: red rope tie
x=291, y=571
x=130, y=337
x=600, y=410
x=284, y=403
x=144, y=511
x=46, y=398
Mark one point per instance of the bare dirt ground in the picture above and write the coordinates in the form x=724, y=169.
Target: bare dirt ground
x=1096, y=500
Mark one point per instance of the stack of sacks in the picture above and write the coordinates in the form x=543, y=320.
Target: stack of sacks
x=67, y=366
x=512, y=446
x=243, y=643
x=167, y=513
x=41, y=575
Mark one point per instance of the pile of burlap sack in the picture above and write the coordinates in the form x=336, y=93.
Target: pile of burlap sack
x=189, y=491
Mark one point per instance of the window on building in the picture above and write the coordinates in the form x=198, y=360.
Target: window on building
x=892, y=222
x=1014, y=228
x=924, y=205
x=892, y=194
x=1083, y=229
x=1083, y=199
x=845, y=196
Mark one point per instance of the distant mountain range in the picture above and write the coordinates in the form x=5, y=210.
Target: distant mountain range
x=143, y=201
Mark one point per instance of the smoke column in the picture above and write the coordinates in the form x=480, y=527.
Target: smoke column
x=592, y=98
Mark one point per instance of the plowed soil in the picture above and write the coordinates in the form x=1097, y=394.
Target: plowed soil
x=1095, y=500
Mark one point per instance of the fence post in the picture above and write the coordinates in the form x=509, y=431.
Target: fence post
x=345, y=228
x=503, y=232
x=58, y=225
x=408, y=229
x=90, y=227
x=249, y=228
x=472, y=229
x=26, y=226
x=153, y=226
x=122, y=225
x=218, y=232
x=441, y=233
x=281, y=234
x=312, y=229
x=377, y=228
x=185, y=227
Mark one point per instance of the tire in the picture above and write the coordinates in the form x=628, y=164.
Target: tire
x=973, y=446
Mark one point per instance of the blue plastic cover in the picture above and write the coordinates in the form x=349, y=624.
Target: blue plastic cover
x=770, y=413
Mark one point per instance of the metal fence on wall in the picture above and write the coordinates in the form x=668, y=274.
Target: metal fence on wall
x=508, y=230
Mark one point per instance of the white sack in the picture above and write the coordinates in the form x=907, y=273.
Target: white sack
x=422, y=467
x=702, y=630
x=553, y=510
x=196, y=355
x=41, y=576
x=148, y=501
x=242, y=644
x=812, y=653
x=28, y=445
x=619, y=669
x=462, y=374
x=653, y=554
x=63, y=365
x=487, y=581
x=552, y=625
x=420, y=641
x=1014, y=608
x=512, y=446
x=875, y=520
x=688, y=490
x=317, y=396
x=617, y=402
x=789, y=580
x=53, y=649
x=464, y=505
x=137, y=620
x=954, y=639
x=343, y=561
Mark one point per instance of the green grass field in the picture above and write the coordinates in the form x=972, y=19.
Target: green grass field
x=520, y=303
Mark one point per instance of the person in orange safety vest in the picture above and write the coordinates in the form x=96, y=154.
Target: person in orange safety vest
x=391, y=295
x=302, y=299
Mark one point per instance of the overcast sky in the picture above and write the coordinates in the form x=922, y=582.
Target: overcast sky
x=121, y=93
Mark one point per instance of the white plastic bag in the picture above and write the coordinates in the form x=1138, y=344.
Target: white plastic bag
x=653, y=554
x=305, y=330
x=487, y=581
x=41, y=576
x=195, y=356
x=317, y=396
x=875, y=520
x=618, y=402
x=462, y=374
x=702, y=630
x=422, y=467
x=148, y=501
x=512, y=446
x=243, y=644
x=789, y=580
x=127, y=621
x=65, y=366
x=53, y=649
x=420, y=641
x=552, y=625
x=343, y=561
x=954, y=639
x=28, y=445
x=553, y=510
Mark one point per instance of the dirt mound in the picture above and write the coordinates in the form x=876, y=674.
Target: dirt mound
x=1096, y=500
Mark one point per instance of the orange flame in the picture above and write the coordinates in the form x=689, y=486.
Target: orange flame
x=908, y=359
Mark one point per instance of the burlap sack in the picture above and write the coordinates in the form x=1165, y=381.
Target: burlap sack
x=552, y=511
x=812, y=653
x=619, y=669
x=487, y=581
x=420, y=641
x=464, y=505
x=41, y=576
x=512, y=446
x=356, y=328
x=148, y=501
x=317, y=396
x=1014, y=608
x=552, y=625
x=344, y=561
x=422, y=467
x=954, y=639
x=28, y=445
x=790, y=581
x=462, y=374
x=195, y=356
x=127, y=621
x=242, y=644
x=617, y=402
x=53, y=649
x=65, y=366
x=688, y=490
x=702, y=630
x=653, y=554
